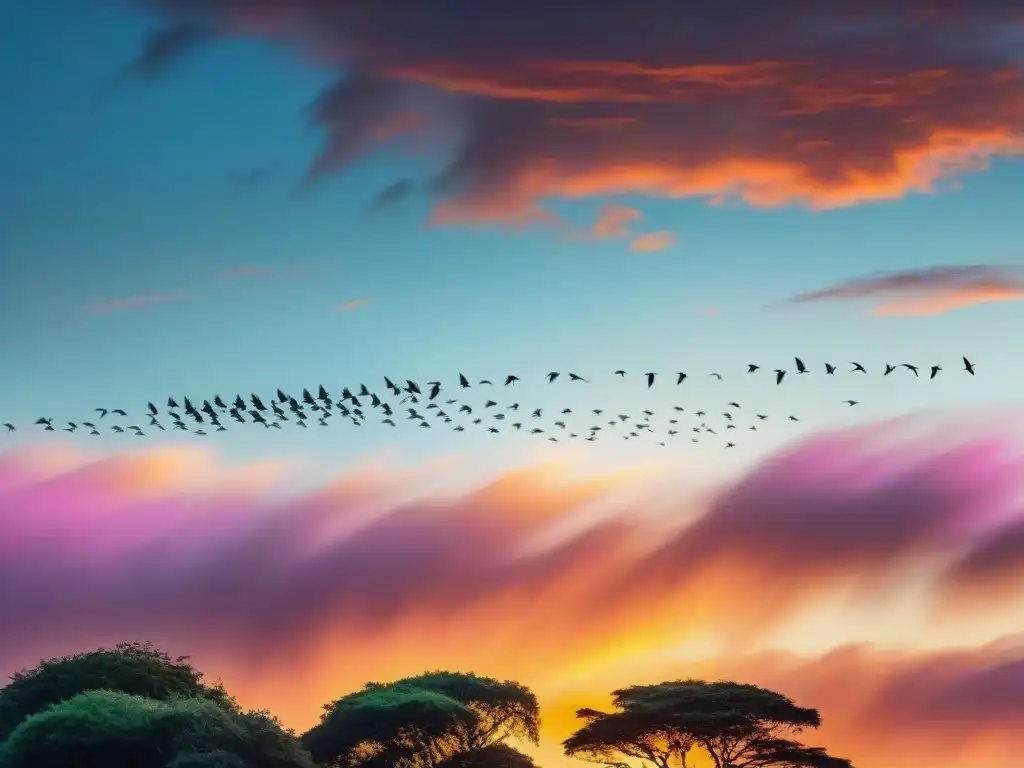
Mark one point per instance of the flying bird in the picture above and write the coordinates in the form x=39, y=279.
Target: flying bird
x=935, y=371
x=552, y=376
x=680, y=377
x=751, y=367
x=968, y=366
x=779, y=375
x=858, y=367
x=800, y=367
x=577, y=377
x=620, y=373
x=650, y=379
x=910, y=367
x=511, y=380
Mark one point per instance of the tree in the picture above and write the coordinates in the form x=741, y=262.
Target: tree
x=492, y=756
x=426, y=720
x=737, y=725
x=108, y=729
x=129, y=668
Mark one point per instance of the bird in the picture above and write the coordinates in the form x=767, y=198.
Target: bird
x=552, y=376
x=857, y=367
x=751, y=367
x=650, y=379
x=10, y=427
x=850, y=403
x=830, y=369
x=889, y=369
x=800, y=367
x=910, y=367
x=716, y=375
x=968, y=366
x=935, y=371
x=463, y=381
x=620, y=373
x=577, y=377
x=510, y=379
x=779, y=375
x=680, y=377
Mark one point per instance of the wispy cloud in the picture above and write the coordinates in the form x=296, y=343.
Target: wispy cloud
x=633, y=105
x=373, y=576
x=613, y=221
x=930, y=291
x=131, y=302
x=392, y=195
x=653, y=241
x=352, y=305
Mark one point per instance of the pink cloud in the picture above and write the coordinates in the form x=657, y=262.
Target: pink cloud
x=653, y=241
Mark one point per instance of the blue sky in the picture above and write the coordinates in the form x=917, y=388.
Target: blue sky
x=130, y=195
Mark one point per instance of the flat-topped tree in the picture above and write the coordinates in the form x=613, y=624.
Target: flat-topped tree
x=737, y=725
x=436, y=718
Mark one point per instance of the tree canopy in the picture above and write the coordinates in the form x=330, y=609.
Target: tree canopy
x=133, y=668
x=109, y=729
x=426, y=720
x=737, y=725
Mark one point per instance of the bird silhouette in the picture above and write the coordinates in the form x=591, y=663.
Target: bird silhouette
x=800, y=367
x=650, y=379
x=511, y=380
x=552, y=376
x=968, y=366
x=857, y=367
x=935, y=371
x=680, y=377
x=779, y=375
x=751, y=367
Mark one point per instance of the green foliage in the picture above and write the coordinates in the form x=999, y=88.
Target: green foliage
x=423, y=720
x=108, y=729
x=132, y=668
x=738, y=725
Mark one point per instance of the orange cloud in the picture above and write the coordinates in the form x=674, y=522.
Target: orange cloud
x=930, y=291
x=131, y=302
x=352, y=305
x=636, y=104
x=653, y=241
x=613, y=221
x=294, y=598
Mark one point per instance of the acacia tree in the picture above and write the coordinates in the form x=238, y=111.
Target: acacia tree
x=133, y=668
x=737, y=725
x=428, y=720
x=108, y=729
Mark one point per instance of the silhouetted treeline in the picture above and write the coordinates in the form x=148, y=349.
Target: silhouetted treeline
x=134, y=706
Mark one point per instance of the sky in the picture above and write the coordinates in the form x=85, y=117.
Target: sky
x=204, y=197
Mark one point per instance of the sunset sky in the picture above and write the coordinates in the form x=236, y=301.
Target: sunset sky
x=204, y=197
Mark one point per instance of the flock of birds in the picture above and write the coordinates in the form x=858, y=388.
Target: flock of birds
x=426, y=407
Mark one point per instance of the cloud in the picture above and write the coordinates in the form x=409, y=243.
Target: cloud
x=846, y=104
x=613, y=221
x=653, y=241
x=166, y=46
x=929, y=291
x=352, y=305
x=565, y=580
x=131, y=302
x=392, y=195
